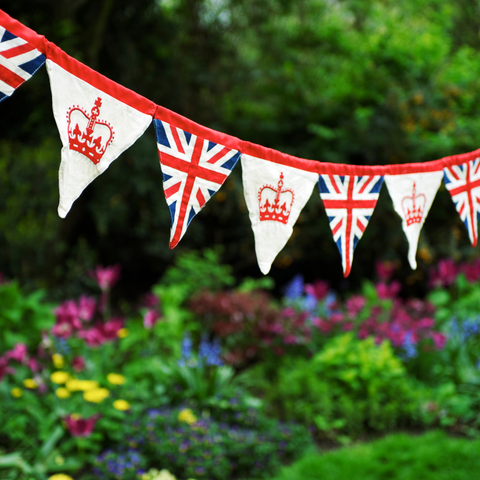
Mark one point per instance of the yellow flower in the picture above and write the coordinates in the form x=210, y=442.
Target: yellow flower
x=59, y=460
x=121, y=405
x=187, y=416
x=30, y=383
x=60, y=476
x=75, y=416
x=116, y=379
x=97, y=395
x=58, y=360
x=62, y=392
x=75, y=385
x=59, y=377
x=122, y=333
x=16, y=392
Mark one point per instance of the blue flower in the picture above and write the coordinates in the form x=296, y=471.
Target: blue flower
x=294, y=289
x=409, y=346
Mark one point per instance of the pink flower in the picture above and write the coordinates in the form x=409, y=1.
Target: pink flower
x=322, y=325
x=384, y=270
x=81, y=427
x=19, y=353
x=150, y=300
x=106, y=277
x=347, y=326
x=150, y=318
x=336, y=317
x=78, y=364
x=34, y=365
x=385, y=291
x=445, y=274
x=4, y=368
x=290, y=340
x=102, y=332
x=472, y=271
x=426, y=323
x=86, y=308
x=354, y=305
x=319, y=289
x=439, y=339
x=67, y=319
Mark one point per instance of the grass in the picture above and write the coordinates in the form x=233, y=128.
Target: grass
x=431, y=456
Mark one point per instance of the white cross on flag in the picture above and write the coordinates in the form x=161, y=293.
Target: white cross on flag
x=97, y=120
x=18, y=62
x=275, y=195
x=193, y=171
x=412, y=196
x=349, y=202
x=463, y=183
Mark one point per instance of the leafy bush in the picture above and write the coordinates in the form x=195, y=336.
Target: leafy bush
x=350, y=386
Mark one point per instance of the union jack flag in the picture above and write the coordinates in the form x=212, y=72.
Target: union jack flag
x=18, y=62
x=193, y=170
x=463, y=183
x=349, y=202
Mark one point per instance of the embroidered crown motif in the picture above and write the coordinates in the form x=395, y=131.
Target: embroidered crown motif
x=88, y=135
x=413, y=207
x=275, y=203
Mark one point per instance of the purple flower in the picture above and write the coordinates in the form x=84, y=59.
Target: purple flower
x=294, y=289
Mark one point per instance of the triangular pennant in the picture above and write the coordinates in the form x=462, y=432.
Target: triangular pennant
x=18, y=62
x=193, y=171
x=463, y=183
x=95, y=128
x=412, y=195
x=349, y=202
x=275, y=196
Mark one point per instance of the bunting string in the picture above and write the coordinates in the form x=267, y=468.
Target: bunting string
x=98, y=119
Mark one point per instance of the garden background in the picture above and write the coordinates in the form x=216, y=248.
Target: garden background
x=342, y=81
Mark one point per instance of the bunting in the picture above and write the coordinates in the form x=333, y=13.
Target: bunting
x=99, y=119
x=412, y=195
x=349, y=202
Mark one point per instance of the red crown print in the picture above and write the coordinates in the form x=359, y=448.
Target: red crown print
x=413, y=207
x=86, y=134
x=275, y=203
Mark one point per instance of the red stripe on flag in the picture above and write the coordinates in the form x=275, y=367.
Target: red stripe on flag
x=178, y=143
x=360, y=225
x=219, y=155
x=365, y=185
x=334, y=183
x=15, y=51
x=172, y=190
x=200, y=198
x=337, y=227
x=349, y=204
x=461, y=209
x=10, y=77
x=465, y=188
x=454, y=175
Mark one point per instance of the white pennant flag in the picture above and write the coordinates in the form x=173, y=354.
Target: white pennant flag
x=275, y=195
x=412, y=195
x=95, y=128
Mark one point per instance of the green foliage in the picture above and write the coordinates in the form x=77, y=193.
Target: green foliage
x=22, y=316
x=430, y=456
x=350, y=386
x=190, y=444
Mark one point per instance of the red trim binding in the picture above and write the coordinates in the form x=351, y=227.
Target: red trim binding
x=97, y=80
x=20, y=30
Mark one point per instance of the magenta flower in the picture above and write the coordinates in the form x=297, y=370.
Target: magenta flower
x=439, y=339
x=106, y=277
x=102, y=332
x=472, y=271
x=67, y=319
x=78, y=364
x=445, y=274
x=34, y=365
x=150, y=300
x=386, y=291
x=354, y=305
x=319, y=289
x=384, y=270
x=19, y=353
x=86, y=308
x=81, y=427
x=4, y=368
x=150, y=318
